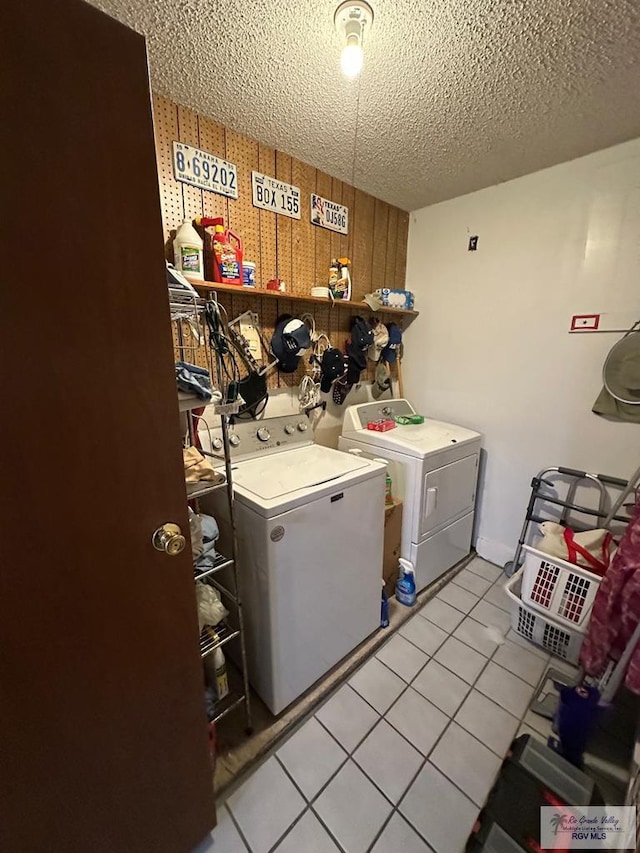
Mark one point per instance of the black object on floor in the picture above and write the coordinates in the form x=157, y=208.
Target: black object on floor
x=532, y=775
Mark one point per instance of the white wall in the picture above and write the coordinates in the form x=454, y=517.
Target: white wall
x=491, y=348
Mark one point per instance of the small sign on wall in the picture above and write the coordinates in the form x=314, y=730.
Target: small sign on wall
x=203, y=170
x=274, y=195
x=614, y=321
x=328, y=214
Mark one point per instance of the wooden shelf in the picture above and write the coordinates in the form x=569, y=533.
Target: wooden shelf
x=206, y=287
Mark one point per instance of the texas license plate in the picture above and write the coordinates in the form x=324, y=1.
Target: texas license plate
x=274, y=195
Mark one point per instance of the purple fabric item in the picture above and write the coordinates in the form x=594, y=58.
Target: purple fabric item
x=616, y=610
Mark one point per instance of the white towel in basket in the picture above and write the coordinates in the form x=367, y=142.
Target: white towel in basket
x=593, y=549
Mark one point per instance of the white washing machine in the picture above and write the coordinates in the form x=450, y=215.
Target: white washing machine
x=310, y=526
x=434, y=469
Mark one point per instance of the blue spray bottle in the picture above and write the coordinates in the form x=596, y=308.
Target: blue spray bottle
x=406, y=584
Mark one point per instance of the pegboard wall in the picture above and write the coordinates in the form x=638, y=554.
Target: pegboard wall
x=293, y=250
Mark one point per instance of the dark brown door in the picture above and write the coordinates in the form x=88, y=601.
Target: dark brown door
x=103, y=742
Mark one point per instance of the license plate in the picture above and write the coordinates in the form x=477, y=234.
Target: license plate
x=328, y=214
x=276, y=196
x=206, y=171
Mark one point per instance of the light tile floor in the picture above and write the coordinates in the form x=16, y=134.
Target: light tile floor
x=401, y=758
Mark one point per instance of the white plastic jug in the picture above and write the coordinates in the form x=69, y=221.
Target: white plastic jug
x=187, y=251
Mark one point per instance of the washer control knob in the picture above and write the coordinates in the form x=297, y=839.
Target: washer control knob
x=263, y=434
x=216, y=444
x=234, y=440
x=302, y=426
x=289, y=429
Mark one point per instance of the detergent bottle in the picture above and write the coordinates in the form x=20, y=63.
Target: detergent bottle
x=227, y=251
x=187, y=251
x=227, y=247
x=208, y=226
x=406, y=584
x=345, y=276
x=223, y=251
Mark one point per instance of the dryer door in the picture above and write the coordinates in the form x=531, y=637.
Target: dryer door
x=447, y=493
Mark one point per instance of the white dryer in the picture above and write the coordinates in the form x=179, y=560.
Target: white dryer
x=434, y=469
x=310, y=534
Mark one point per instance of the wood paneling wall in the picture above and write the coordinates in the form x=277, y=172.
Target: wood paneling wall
x=293, y=250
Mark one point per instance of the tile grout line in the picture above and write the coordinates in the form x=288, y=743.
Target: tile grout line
x=395, y=807
x=472, y=686
x=308, y=802
x=480, y=624
x=451, y=719
x=350, y=755
x=433, y=748
x=418, y=647
x=326, y=828
x=433, y=589
x=470, y=591
x=436, y=742
x=237, y=826
x=495, y=580
x=464, y=642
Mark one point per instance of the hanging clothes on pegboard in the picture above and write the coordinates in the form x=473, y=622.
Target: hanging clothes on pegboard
x=311, y=383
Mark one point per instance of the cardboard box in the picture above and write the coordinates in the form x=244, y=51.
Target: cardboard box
x=392, y=542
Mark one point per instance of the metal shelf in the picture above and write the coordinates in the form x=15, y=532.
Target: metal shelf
x=229, y=596
x=220, y=562
x=224, y=633
x=226, y=705
x=189, y=311
x=186, y=402
x=202, y=488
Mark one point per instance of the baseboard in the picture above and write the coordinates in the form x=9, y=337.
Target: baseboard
x=494, y=552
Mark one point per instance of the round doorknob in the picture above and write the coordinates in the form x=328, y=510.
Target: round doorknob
x=169, y=539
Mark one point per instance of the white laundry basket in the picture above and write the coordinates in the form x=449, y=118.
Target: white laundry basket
x=553, y=636
x=563, y=590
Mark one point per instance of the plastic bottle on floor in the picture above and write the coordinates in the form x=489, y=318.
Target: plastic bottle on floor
x=384, y=609
x=406, y=584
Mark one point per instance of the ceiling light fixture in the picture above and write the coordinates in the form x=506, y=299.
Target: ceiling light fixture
x=350, y=20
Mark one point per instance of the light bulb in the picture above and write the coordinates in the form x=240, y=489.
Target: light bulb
x=351, y=60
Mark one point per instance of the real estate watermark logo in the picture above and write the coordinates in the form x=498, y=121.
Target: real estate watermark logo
x=588, y=827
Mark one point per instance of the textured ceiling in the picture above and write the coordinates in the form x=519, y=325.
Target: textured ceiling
x=455, y=94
